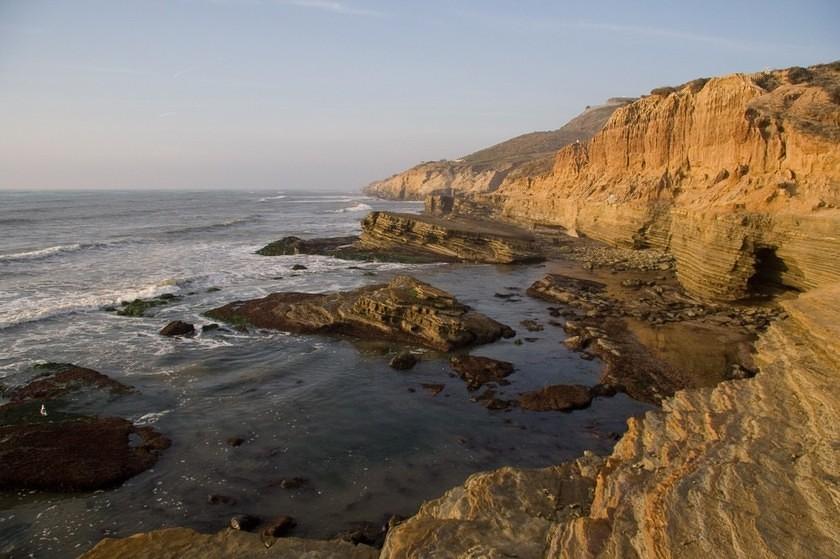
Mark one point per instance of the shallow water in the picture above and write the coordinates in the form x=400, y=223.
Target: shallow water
x=371, y=440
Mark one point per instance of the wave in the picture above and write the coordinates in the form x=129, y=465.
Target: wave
x=29, y=309
x=360, y=207
x=267, y=198
x=210, y=227
x=45, y=252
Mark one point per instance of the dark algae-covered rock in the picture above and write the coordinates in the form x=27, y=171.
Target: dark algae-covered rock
x=477, y=371
x=403, y=361
x=139, y=307
x=558, y=397
x=44, y=447
x=68, y=453
x=178, y=328
x=58, y=379
x=404, y=310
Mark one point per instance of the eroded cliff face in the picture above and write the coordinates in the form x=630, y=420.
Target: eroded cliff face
x=488, y=169
x=721, y=172
x=748, y=468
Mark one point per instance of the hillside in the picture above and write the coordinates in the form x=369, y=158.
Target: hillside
x=485, y=170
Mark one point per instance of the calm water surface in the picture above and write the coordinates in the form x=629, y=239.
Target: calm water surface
x=370, y=440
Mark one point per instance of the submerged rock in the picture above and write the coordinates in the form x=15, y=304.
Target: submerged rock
x=477, y=371
x=287, y=246
x=558, y=397
x=178, y=328
x=59, y=379
x=67, y=453
x=404, y=310
x=43, y=447
x=403, y=361
x=139, y=307
x=278, y=527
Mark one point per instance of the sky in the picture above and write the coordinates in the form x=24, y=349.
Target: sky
x=333, y=94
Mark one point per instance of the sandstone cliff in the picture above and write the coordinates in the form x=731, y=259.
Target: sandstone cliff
x=744, y=469
x=487, y=169
x=734, y=175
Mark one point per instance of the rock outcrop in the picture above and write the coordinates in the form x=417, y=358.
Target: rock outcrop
x=45, y=447
x=738, y=177
x=745, y=469
x=189, y=544
x=487, y=169
x=461, y=239
x=404, y=310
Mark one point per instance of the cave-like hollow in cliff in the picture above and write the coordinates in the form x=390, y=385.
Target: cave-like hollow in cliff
x=768, y=279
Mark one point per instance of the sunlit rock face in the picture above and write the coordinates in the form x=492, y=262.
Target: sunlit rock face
x=738, y=176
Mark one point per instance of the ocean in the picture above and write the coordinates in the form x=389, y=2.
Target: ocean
x=370, y=440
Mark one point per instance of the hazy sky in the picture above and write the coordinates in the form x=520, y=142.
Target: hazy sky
x=334, y=94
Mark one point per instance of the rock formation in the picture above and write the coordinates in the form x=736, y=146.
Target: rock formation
x=746, y=468
x=43, y=446
x=461, y=239
x=404, y=310
x=398, y=237
x=189, y=544
x=738, y=177
x=487, y=169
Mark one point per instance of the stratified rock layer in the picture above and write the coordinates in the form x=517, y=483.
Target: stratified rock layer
x=487, y=169
x=459, y=239
x=404, y=310
x=748, y=468
x=738, y=176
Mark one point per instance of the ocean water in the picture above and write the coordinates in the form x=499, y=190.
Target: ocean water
x=370, y=440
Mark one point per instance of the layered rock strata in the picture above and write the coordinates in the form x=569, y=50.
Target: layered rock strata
x=487, y=169
x=461, y=239
x=744, y=469
x=738, y=177
x=404, y=310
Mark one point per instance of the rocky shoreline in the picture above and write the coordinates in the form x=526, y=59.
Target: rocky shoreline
x=710, y=292
x=608, y=289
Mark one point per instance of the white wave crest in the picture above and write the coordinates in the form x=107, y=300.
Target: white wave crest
x=360, y=207
x=40, y=307
x=41, y=253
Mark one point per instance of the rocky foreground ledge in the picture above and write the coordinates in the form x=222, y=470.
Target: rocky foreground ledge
x=404, y=310
x=747, y=468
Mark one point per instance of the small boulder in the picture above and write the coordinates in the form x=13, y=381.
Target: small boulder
x=178, y=328
x=558, y=397
x=299, y=267
x=477, y=371
x=244, y=522
x=220, y=500
x=279, y=527
x=404, y=361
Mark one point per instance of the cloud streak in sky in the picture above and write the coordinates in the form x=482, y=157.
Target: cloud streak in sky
x=334, y=7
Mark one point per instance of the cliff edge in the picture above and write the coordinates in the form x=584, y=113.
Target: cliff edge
x=487, y=169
